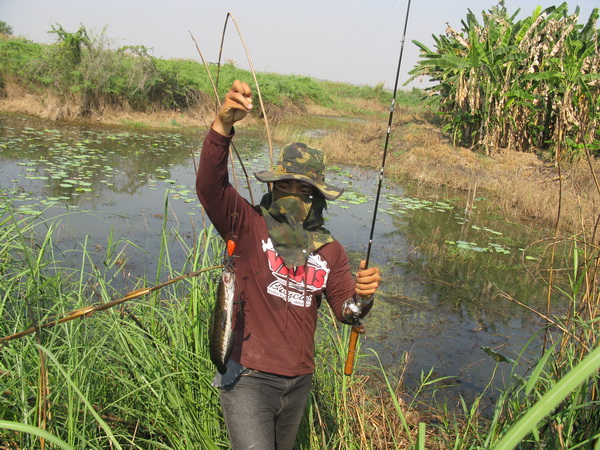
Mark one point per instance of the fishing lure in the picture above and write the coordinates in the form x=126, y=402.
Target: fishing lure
x=220, y=333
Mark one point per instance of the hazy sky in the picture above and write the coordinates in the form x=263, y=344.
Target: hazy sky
x=351, y=41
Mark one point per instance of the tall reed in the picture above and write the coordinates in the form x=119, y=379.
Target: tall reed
x=140, y=376
x=134, y=378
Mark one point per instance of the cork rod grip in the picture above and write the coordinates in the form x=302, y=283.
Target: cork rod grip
x=356, y=330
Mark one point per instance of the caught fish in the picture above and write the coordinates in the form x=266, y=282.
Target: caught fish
x=221, y=328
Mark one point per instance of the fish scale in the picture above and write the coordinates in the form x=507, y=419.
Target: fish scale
x=221, y=327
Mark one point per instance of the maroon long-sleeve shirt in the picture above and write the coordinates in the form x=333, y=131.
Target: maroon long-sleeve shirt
x=275, y=313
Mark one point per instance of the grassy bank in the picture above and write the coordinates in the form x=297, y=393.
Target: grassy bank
x=81, y=77
x=138, y=375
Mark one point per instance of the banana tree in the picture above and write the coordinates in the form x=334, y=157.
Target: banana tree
x=525, y=84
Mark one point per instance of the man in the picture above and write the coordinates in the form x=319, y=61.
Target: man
x=285, y=262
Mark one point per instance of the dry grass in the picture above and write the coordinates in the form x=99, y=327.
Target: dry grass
x=379, y=426
x=523, y=186
x=359, y=144
x=361, y=148
x=21, y=101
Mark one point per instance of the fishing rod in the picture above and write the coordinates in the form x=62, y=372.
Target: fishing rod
x=357, y=327
x=87, y=311
x=218, y=105
x=215, y=83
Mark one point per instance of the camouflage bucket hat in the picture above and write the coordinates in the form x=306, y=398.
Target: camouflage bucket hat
x=300, y=162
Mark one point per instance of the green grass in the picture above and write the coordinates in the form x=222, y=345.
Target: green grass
x=139, y=376
x=87, y=72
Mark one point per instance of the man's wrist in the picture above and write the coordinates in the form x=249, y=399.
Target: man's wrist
x=221, y=128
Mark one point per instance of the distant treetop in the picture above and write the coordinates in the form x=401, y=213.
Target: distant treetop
x=5, y=28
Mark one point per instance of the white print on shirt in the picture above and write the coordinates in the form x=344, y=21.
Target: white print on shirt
x=314, y=274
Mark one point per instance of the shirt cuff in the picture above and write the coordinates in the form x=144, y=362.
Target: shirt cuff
x=218, y=138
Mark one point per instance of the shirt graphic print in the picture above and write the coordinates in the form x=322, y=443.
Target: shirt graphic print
x=309, y=278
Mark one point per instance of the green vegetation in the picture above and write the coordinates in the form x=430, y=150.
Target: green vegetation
x=5, y=28
x=522, y=85
x=139, y=376
x=82, y=70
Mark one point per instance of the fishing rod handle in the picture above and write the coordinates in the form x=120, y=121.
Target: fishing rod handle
x=349, y=366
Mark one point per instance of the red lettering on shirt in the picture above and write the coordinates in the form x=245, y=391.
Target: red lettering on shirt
x=276, y=263
x=298, y=274
x=309, y=275
x=319, y=278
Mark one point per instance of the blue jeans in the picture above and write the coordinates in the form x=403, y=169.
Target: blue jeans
x=263, y=411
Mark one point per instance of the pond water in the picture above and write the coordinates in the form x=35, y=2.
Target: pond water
x=445, y=261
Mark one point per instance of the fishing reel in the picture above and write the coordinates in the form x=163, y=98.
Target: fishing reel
x=352, y=308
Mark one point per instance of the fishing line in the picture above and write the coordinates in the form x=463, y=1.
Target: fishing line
x=387, y=138
x=262, y=106
x=215, y=85
x=360, y=49
x=217, y=106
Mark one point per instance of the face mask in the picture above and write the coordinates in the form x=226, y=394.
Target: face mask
x=288, y=208
x=294, y=222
